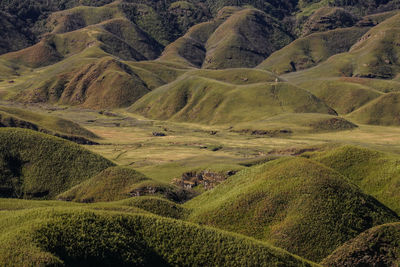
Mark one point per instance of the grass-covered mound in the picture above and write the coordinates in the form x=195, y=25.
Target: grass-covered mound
x=156, y=205
x=36, y=165
x=293, y=123
x=111, y=184
x=376, y=173
x=311, y=50
x=15, y=117
x=65, y=237
x=117, y=183
x=384, y=110
x=379, y=246
x=197, y=99
x=294, y=203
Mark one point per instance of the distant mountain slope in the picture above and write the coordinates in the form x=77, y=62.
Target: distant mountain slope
x=375, y=55
x=311, y=50
x=294, y=203
x=243, y=39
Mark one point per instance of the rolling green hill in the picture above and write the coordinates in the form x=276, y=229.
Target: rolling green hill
x=374, y=172
x=19, y=118
x=378, y=246
x=197, y=99
x=62, y=237
x=294, y=203
x=311, y=50
x=384, y=110
x=117, y=183
x=36, y=165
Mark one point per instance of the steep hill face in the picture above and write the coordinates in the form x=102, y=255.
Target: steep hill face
x=243, y=39
x=294, y=203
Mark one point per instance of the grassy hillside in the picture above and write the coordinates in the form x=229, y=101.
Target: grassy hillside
x=15, y=117
x=374, y=172
x=36, y=165
x=117, y=183
x=373, y=56
x=379, y=246
x=311, y=50
x=294, y=203
x=328, y=18
x=197, y=99
x=384, y=110
x=245, y=39
x=61, y=237
x=343, y=96
x=236, y=38
x=294, y=123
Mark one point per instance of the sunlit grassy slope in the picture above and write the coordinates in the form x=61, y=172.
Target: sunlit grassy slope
x=194, y=98
x=376, y=173
x=295, y=203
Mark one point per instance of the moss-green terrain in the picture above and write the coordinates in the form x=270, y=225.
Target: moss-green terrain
x=199, y=133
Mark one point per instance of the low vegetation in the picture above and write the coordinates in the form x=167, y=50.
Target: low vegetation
x=37, y=165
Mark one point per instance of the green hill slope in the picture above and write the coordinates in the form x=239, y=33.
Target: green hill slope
x=294, y=123
x=384, y=110
x=343, y=96
x=36, y=165
x=294, y=203
x=379, y=246
x=236, y=38
x=375, y=55
x=198, y=99
x=311, y=50
x=245, y=39
x=50, y=238
x=374, y=172
x=117, y=183
x=19, y=118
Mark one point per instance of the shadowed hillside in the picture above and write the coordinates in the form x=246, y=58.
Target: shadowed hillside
x=36, y=165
